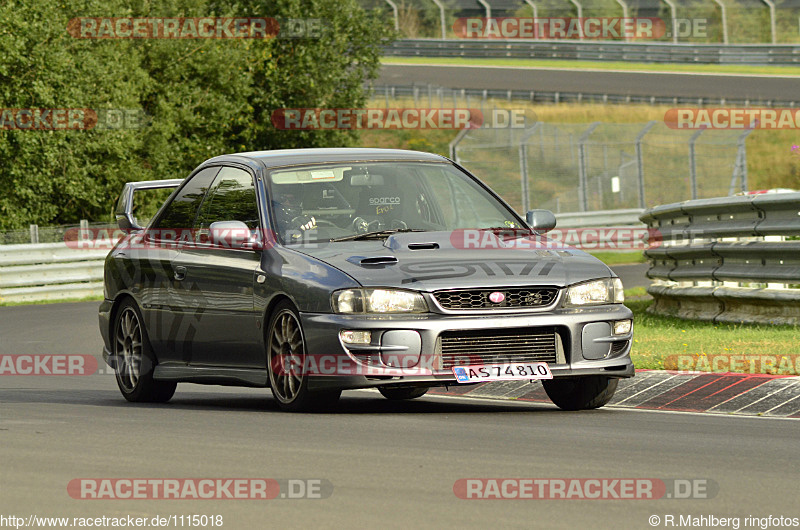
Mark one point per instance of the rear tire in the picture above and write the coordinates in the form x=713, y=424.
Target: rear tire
x=286, y=355
x=397, y=394
x=580, y=393
x=134, y=360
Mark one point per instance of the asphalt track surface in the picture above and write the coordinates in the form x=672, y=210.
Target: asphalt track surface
x=594, y=82
x=390, y=464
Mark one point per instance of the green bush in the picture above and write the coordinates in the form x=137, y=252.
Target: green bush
x=204, y=97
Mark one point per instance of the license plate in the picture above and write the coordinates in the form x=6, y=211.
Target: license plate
x=502, y=372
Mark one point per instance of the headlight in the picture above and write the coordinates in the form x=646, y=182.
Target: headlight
x=378, y=301
x=605, y=291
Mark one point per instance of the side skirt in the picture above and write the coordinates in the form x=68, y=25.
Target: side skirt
x=211, y=375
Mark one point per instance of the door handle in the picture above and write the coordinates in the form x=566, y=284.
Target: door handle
x=180, y=273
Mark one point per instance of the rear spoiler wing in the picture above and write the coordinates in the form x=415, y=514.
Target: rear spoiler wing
x=124, y=210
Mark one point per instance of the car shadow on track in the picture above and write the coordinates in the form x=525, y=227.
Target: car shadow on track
x=351, y=403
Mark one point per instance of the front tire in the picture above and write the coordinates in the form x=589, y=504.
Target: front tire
x=134, y=360
x=581, y=393
x=286, y=364
x=396, y=394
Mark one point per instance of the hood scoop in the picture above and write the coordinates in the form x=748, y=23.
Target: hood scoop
x=372, y=261
x=423, y=246
x=419, y=241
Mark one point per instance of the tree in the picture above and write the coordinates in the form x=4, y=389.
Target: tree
x=203, y=97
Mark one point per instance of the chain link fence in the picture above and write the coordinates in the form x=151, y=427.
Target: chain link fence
x=35, y=234
x=686, y=21
x=582, y=167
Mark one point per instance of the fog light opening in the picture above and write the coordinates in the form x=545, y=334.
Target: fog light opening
x=622, y=327
x=355, y=337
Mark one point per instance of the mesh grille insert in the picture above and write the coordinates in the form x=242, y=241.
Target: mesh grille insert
x=511, y=298
x=498, y=346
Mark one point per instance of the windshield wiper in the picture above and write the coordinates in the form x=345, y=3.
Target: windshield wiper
x=510, y=233
x=377, y=234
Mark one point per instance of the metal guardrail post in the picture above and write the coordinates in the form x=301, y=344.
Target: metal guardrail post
x=772, y=26
x=454, y=145
x=693, y=162
x=34, y=234
x=536, y=10
x=724, y=19
x=487, y=7
x=674, y=16
x=624, y=15
x=441, y=17
x=580, y=16
x=83, y=232
x=523, y=170
x=541, y=142
x=582, y=178
x=396, y=15
x=740, y=169
x=523, y=164
x=640, y=160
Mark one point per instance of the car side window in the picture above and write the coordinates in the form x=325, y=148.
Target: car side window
x=232, y=198
x=181, y=212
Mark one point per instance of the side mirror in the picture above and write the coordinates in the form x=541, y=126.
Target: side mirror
x=234, y=234
x=540, y=220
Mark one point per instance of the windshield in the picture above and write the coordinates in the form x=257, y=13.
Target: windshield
x=333, y=201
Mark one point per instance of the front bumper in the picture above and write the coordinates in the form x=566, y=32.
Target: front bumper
x=584, y=347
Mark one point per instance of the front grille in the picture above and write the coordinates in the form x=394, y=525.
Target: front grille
x=486, y=346
x=514, y=298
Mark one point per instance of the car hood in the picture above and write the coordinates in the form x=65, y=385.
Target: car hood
x=429, y=261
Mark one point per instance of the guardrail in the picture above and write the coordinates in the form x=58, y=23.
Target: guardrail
x=542, y=96
x=599, y=218
x=730, y=259
x=651, y=52
x=49, y=271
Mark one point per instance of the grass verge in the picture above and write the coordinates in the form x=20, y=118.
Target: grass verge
x=43, y=302
x=667, y=343
x=619, y=258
